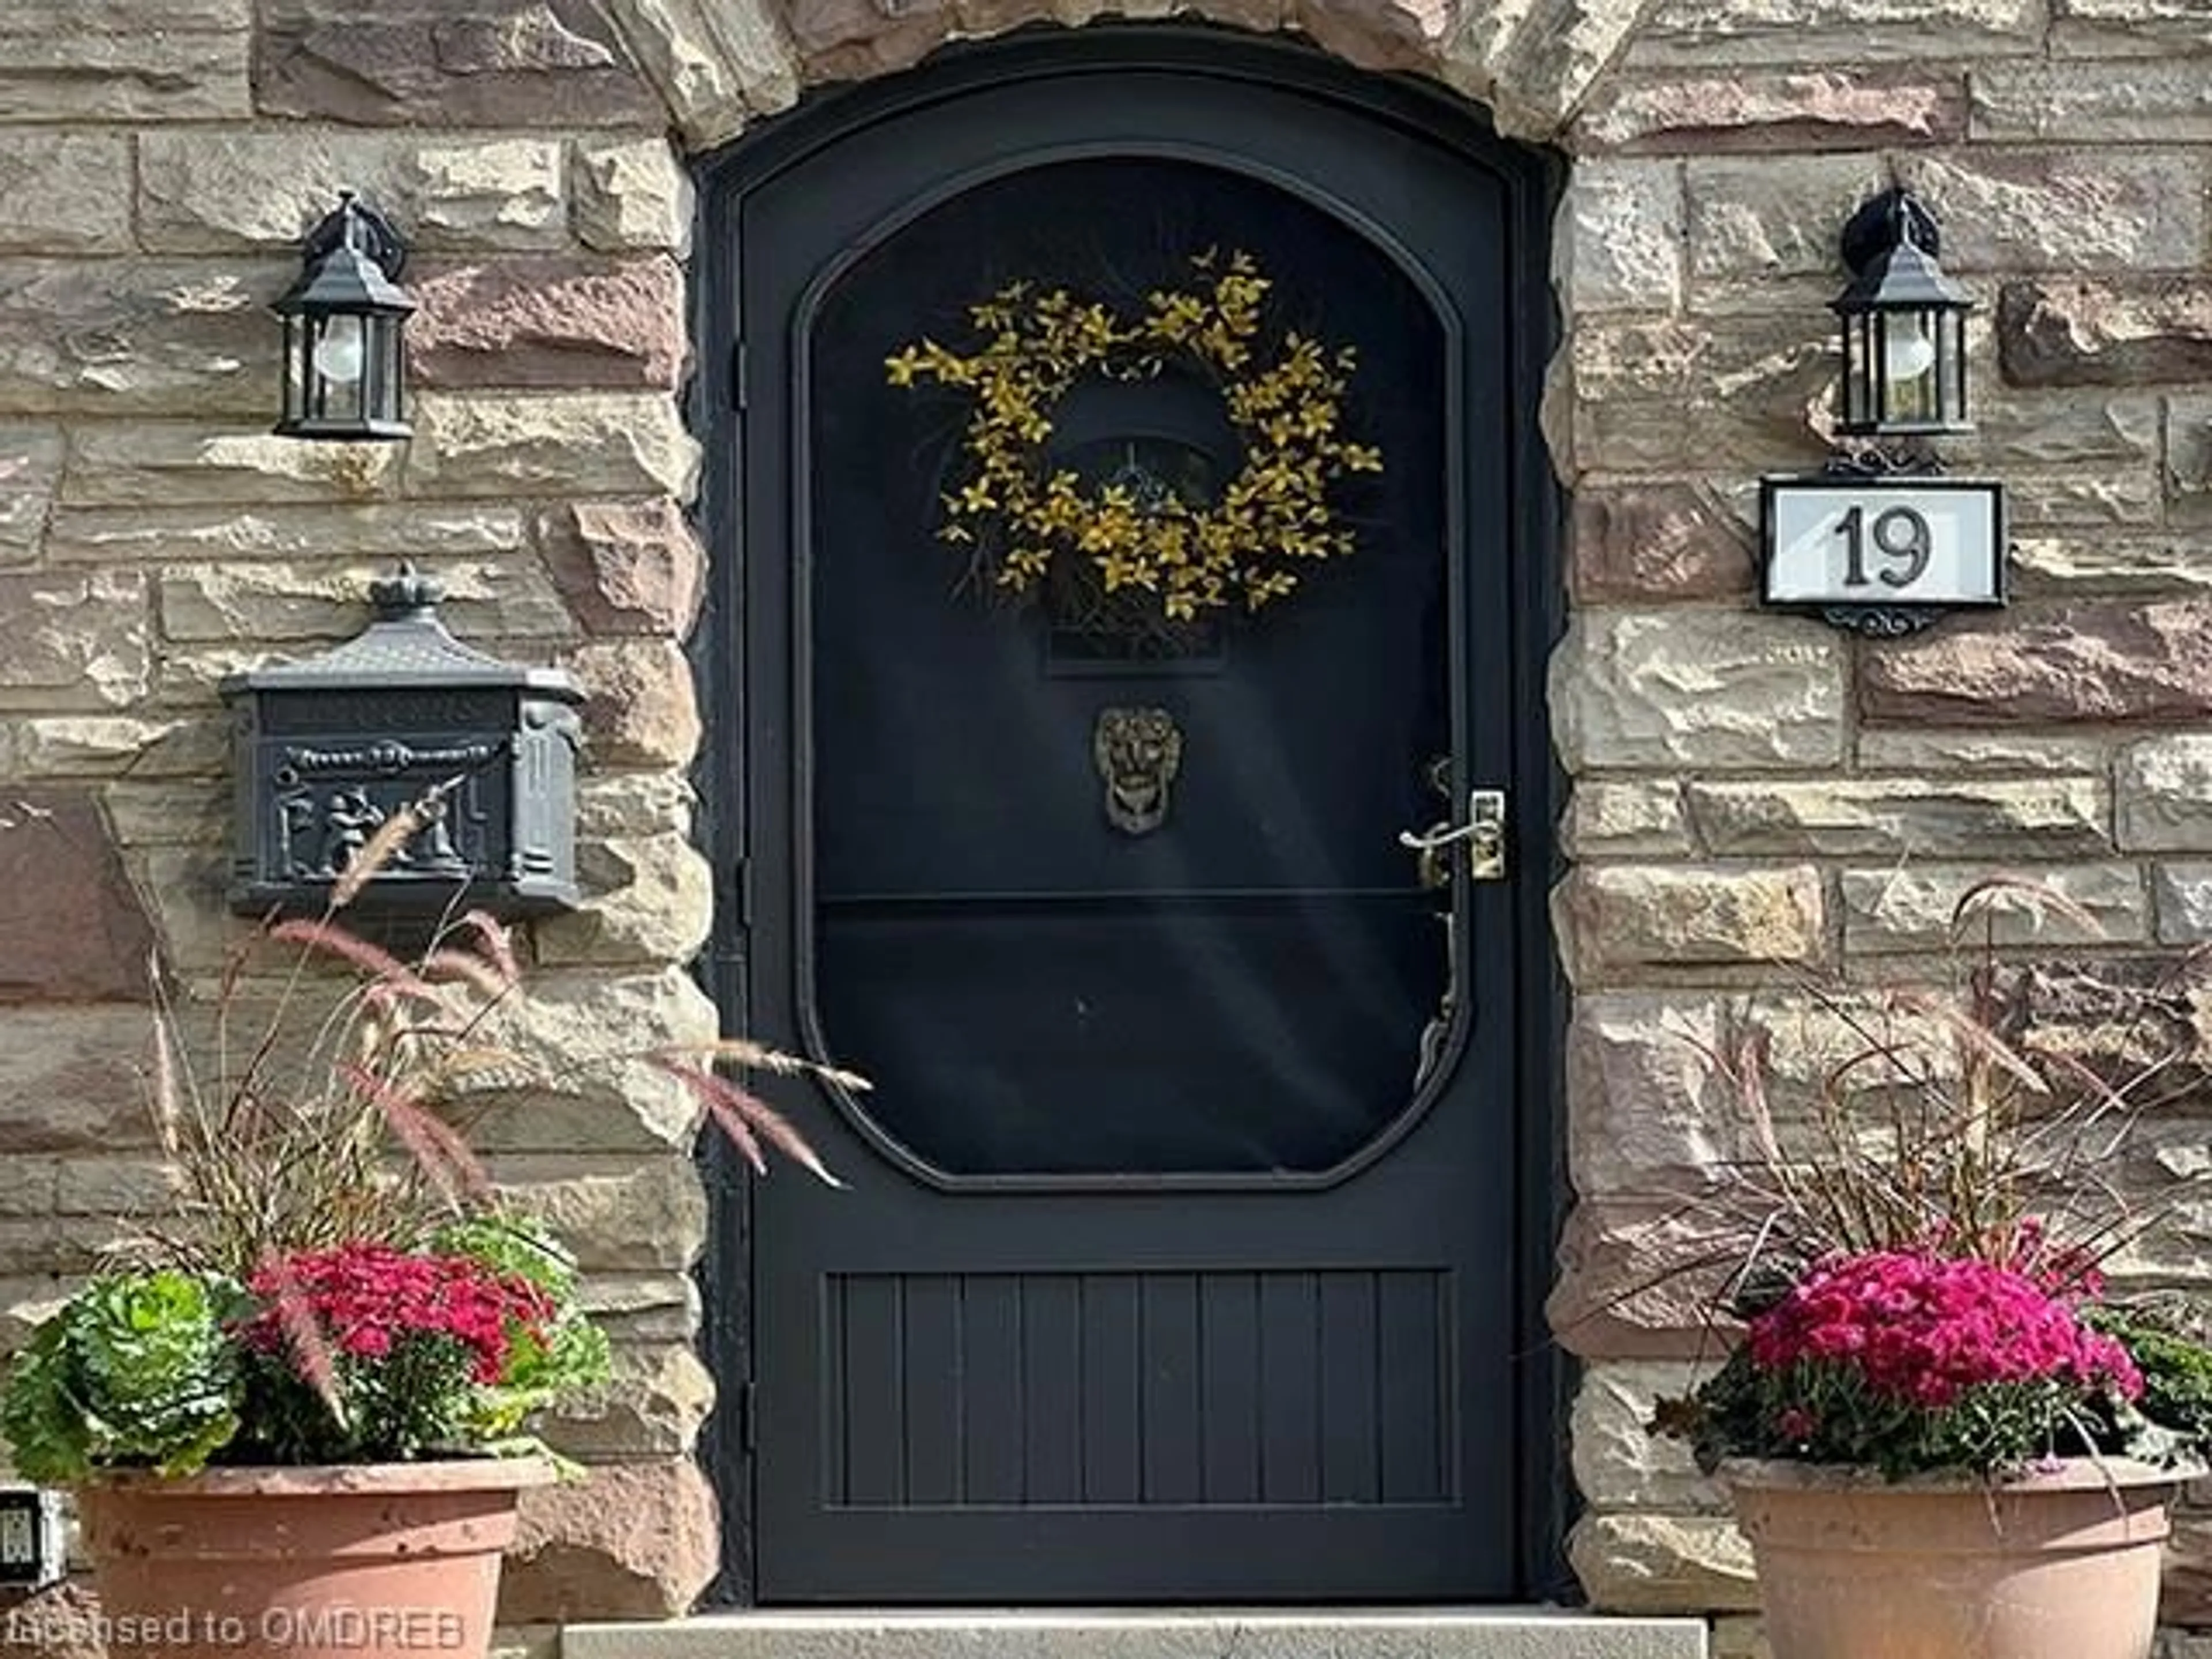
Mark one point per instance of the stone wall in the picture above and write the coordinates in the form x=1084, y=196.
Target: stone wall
x=1753, y=795
x=159, y=160
x=1756, y=796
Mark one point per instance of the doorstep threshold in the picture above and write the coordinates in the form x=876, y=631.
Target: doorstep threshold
x=1145, y=1633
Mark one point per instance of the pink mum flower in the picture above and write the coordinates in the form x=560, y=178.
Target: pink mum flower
x=1922, y=1329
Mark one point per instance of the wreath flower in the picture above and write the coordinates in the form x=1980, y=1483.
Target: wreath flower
x=1284, y=395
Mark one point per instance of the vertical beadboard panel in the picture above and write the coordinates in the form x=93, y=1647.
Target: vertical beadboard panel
x=1170, y=1358
x=1350, y=1459
x=1113, y=1390
x=1052, y=1381
x=933, y=1386
x=1290, y=1401
x=834, y=1375
x=1410, y=1355
x=875, y=1394
x=1229, y=1393
x=1117, y=1390
x=991, y=1389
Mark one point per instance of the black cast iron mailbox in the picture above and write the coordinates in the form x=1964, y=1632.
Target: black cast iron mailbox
x=325, y=752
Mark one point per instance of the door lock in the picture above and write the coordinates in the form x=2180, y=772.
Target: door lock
x=1483, y=834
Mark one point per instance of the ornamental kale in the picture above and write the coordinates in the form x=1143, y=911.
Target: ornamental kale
x=135, y=1371
x=2176, y=1402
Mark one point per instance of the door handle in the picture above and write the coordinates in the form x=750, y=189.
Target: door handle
x=1483, y=834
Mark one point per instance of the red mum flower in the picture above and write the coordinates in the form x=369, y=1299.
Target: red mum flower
x=366, y=1300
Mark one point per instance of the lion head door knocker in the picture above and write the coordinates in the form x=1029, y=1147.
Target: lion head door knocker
x=1138, y=752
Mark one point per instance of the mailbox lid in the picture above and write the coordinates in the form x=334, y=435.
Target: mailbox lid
x=405, y=647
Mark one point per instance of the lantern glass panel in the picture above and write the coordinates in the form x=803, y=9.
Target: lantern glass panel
x=1951, y=367
x=341, y=354
x=341, y=367
x=1908, y=368
x=1858, y=369
x=385, y=388
x=298, y=369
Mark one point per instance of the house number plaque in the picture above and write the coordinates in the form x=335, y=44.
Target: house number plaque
x=1882, y=555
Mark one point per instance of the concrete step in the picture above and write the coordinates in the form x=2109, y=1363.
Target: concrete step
x=1181, y=1633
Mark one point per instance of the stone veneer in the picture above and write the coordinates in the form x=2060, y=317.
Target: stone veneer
x=1751, y=795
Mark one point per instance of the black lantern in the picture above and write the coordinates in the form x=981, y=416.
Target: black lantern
x=1904, y=326
x=343, y=366
x=479, y=754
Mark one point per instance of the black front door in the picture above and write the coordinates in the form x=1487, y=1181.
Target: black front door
x=1180, y=1253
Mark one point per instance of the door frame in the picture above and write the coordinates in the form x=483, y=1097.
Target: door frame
x=1532, y=180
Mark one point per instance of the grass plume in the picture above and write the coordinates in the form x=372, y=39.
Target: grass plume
x=318, y=1108
x=1986, y=1115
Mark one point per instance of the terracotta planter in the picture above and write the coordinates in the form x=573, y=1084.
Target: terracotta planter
x=381, y=1559
x=2058, y=1566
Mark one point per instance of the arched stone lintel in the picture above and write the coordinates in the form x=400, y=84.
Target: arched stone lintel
x=721, y=64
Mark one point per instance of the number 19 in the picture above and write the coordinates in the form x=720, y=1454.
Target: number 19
x=1900, y=533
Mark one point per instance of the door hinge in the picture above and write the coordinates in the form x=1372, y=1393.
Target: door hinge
x=738, y=363
x=746, y=1405
x=734, y=893
x=741, y=893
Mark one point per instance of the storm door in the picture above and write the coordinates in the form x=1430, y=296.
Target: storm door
x=1125, y=494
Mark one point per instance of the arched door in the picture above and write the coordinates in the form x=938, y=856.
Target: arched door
x=1181, y=1256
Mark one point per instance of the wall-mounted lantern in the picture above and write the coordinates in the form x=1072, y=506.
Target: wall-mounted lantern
x=344, y=364
x=1903, y=324
x=1880, y=541
x=325, y=752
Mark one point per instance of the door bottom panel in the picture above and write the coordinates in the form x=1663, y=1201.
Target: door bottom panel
x=1276, y=1389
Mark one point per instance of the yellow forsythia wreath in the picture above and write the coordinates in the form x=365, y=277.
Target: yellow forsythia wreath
x=1284, y=396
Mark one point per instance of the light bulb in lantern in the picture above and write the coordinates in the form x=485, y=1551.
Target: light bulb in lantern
x=1907, y=353
x=339, y=356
